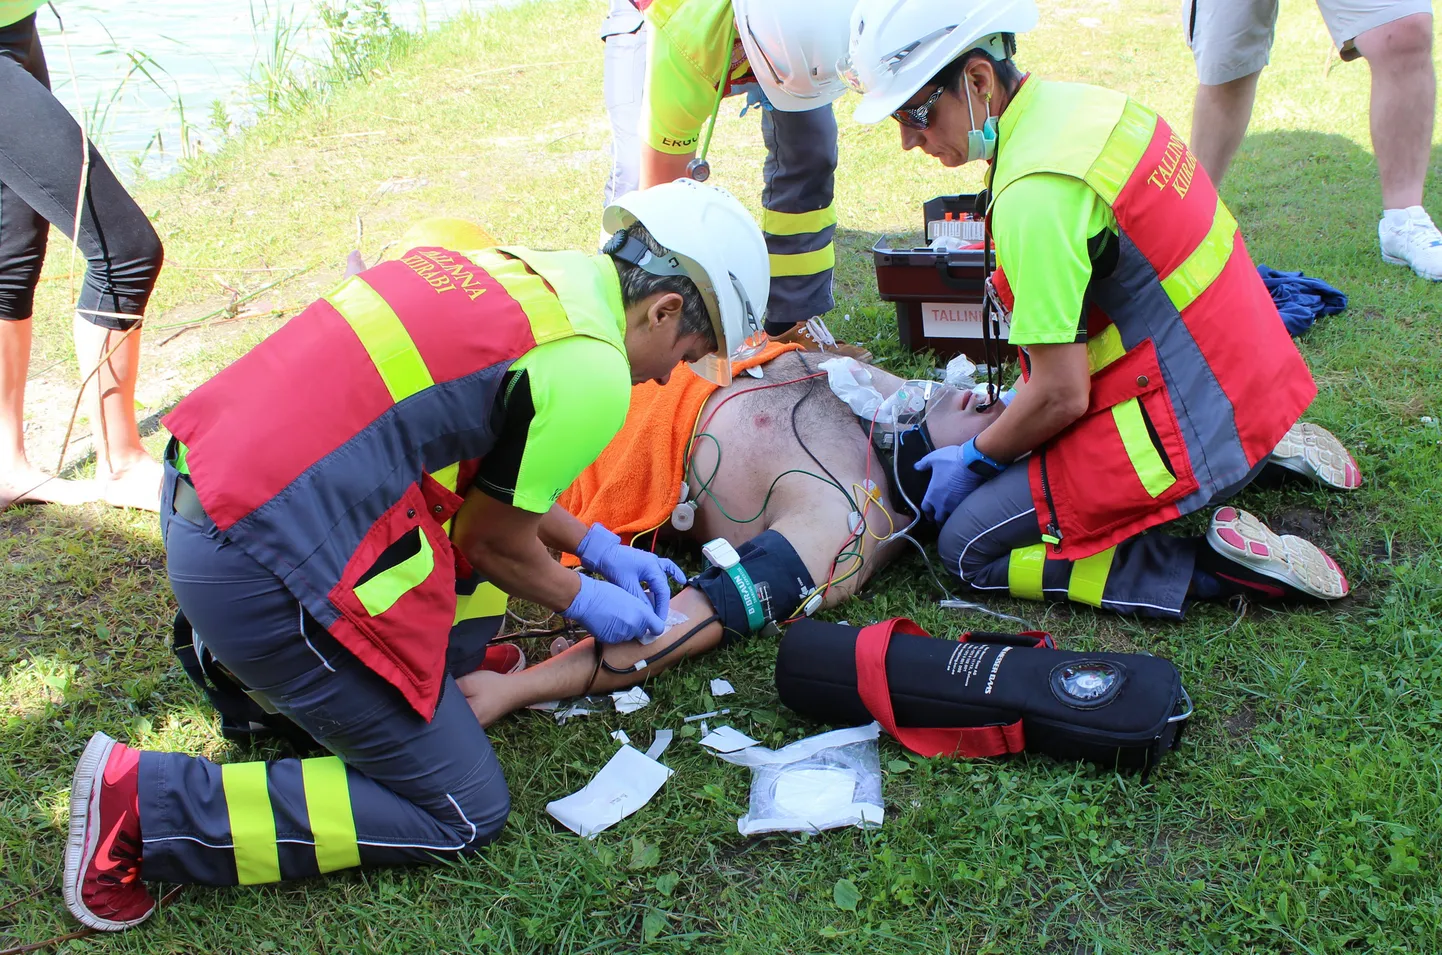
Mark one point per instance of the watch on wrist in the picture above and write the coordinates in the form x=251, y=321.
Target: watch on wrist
x=978, y=462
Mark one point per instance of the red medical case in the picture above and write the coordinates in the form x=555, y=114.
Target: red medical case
x=938, y=294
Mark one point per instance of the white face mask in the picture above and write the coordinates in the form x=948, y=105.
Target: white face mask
x=980, y=143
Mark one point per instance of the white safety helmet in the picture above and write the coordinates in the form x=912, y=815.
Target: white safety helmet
x=898, y=45
x=793, y=47
x=711, y=239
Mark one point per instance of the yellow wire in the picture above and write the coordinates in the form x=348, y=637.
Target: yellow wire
x=874, y=497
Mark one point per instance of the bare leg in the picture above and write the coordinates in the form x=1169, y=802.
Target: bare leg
x=127, y=475
x=1404, y=101
x=493, y=695
x=1220, y=115
x=19, y=480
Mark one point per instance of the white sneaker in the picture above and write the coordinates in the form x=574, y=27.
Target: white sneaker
x=1314, y=452
x=1412, y=241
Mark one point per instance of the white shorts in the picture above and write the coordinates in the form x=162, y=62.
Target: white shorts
x=1233, y=38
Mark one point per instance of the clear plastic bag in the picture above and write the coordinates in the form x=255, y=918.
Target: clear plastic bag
x=822, y=782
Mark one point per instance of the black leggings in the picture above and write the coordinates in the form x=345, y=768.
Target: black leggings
x=39, y=177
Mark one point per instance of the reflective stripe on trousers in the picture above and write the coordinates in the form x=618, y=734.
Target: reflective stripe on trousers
x=799, y=217
x=403, y=790
x=993, y=542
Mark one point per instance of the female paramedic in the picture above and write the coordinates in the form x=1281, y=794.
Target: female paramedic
x=47, y=168
x=309, y=495
x=1158, y=374
x=782, y=54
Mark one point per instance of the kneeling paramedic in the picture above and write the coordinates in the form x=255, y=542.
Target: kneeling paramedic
x=1158, y=374
x=307, y=520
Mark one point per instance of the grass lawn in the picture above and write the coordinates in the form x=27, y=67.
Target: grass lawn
x=1301, y=815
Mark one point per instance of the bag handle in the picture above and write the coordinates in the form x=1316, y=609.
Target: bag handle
x=972, y=742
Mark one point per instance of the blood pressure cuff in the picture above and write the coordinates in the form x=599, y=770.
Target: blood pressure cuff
x=985, y=694
x=777, y=580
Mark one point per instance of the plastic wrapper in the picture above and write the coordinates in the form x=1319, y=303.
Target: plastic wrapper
x=822, y=782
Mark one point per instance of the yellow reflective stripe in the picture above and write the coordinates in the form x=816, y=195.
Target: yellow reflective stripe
x=252, y=823
x=542, y=307
x=381, y=592
x=804, y=263
x=1143, y=454
x=327, y=802
x=1206, y=262
x=1104, y=349
x=797, y=223
x=448, y=478
x=1124, y=148
x=1089, y=578
x=488, y=601
x=385, y=339
x=1023, y=571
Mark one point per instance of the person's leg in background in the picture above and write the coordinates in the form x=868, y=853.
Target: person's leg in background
x=398, y=789
x=1231, y=41
x=798, y=215
x=42, y=165
x=1396, y=40
x=624, y=33
x=23, y=233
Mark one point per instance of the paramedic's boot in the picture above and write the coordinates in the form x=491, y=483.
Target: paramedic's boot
x=1316, y=453
x=102, y=858
x=813, y=335
x=1249, y=559
x=1409, y=238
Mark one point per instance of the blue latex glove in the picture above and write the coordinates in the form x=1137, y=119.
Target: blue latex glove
x=951, y=479
x=612, y=615
x=602, y=552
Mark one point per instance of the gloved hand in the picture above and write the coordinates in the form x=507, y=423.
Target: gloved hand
x=612, y=615
x=603, y=553
x=952, y=479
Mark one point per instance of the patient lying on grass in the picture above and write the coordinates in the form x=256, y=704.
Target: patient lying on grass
x=778, y=476
x=778, y=471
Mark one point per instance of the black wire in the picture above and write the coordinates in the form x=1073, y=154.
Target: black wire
x=810, y=387
x=632, y=669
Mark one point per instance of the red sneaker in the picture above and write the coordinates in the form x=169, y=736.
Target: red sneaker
x=102, y=857
x=504, y=658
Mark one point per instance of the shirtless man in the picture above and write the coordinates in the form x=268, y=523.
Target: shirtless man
x=763, y=470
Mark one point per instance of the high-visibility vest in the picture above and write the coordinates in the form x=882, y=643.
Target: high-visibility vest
x=354, y=430
x=1194, y=378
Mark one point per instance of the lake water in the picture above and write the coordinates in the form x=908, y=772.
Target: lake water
x=204, y=51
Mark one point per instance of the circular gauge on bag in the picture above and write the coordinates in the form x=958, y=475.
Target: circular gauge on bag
x=1086, y=684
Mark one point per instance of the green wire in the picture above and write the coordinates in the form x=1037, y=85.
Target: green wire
x=705, y=487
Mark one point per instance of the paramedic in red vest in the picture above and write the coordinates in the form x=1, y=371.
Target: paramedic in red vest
x=307, y=517
x=1158, y=374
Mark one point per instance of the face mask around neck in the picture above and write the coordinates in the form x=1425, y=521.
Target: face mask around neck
x=980, y=143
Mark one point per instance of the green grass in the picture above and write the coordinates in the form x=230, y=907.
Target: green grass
x=1301, y=815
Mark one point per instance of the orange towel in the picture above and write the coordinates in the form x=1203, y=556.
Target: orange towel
x=636, y=482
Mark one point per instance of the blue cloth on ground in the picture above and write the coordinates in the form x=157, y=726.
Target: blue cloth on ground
x=1300, y=299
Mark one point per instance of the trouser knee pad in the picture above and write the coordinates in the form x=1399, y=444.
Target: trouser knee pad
x=775, y=577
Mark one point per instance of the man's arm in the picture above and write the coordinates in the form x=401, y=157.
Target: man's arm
x=503, y=542
x=560, y=530
x=658, y=167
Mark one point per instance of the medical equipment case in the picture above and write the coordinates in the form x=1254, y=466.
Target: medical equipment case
x=985, y=694
x=938, y=294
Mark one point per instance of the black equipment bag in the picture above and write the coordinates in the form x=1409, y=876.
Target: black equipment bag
x=986, y=694
x=242, y=718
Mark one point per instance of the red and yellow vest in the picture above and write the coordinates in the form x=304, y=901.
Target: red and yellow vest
x=1194, y=378
x=355, y=429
